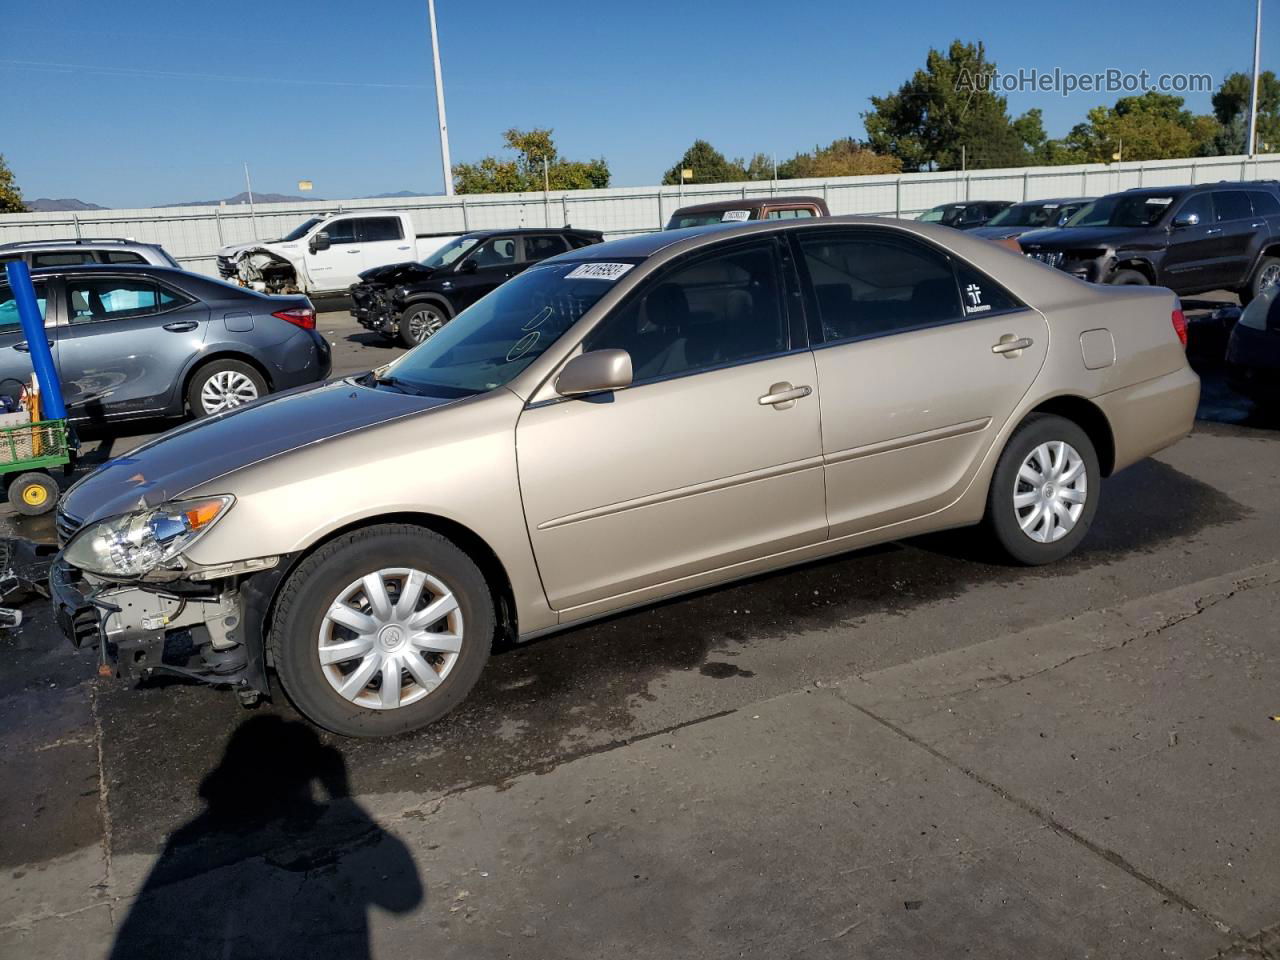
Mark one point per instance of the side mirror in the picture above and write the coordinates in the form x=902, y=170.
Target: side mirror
x=320, y=242
x=468, y=266
x=595, y=372
x=1186, y=220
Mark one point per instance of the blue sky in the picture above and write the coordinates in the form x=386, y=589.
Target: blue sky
x=143, y=102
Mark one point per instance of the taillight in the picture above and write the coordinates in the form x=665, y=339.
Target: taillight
x=304, y=317
x=1180, y=324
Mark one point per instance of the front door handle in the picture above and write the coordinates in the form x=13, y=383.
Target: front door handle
x=1011, y=347
x=1260, y=223
x=1212, y=230
x=23, y=347
x=181, y=326
x=353, y=251
x=783, y=396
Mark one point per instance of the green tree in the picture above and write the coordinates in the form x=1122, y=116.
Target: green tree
x=708, y=165
x=10, y=195
x=846, y=157
x=946, y=116
x=1153, y=126
x=1231, y=109
x=524, y=171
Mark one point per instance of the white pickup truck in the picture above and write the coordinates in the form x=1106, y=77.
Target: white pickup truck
x=327, y=254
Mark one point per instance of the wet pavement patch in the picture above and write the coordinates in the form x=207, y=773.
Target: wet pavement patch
x=722, y=670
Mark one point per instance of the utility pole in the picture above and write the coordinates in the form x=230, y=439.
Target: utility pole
x=248, y=185
x=1253, y=97
x=444, y=126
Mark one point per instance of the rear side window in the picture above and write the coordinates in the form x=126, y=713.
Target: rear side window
x=121, y=256
x=68, y=258
x=714, y=311
x=539, y=248
x=1264, y=204
x=9, y=306
x=790, y=213
x=980, y=294
x=871, y=286
x=95, y=299
x=379, y=229
x=1232, y=205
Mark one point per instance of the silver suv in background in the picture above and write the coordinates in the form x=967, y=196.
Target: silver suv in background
x=75, y=252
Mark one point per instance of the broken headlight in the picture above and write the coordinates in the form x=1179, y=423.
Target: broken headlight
x=134, y=544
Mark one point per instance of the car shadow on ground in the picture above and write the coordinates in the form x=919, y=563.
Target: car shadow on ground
x=281, y=861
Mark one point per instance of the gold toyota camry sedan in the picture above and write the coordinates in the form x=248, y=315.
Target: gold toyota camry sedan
x=616, y=425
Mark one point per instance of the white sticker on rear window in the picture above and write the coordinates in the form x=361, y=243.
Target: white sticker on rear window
x=598, y=271
x=1160, y=201
x=735, y=215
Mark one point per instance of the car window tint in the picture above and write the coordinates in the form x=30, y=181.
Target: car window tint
x=716, y=310
x=495, y=252
x=115, y=299
x=380, y=229
x=792, y=213
x=1232, y=205
x=1264, y=204
x=68, y=259
x=1201, y=204
x=980, y=294
x=539, y=248
x=868, y=286
x=121, y=256
x=341, y=231
x=9, y=306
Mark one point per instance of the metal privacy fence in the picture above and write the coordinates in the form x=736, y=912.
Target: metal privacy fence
x=193, y=234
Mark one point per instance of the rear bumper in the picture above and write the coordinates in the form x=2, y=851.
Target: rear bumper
x=1149, y=416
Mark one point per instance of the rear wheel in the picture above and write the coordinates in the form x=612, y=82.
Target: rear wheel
x=420, y=321
x=33, y=493
x=222, y=385
x=382, y=631
x=1044, y=492
x=1267, y=275
x=1129, y=278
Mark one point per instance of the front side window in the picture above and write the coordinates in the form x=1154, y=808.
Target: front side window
x=93, y=300
x=490, y=342
x=494, y=252
x=380, y=229
x=341, y=231
x=9, y=306
x=1232, y=205
x=716, y=310
x=539, y=248
x=871, y=286
x=1201, y=205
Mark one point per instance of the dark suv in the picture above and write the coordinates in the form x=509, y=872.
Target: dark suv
x=411, y=301
x=1219, y=236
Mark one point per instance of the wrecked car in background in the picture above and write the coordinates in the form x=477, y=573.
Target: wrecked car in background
x=327, y=254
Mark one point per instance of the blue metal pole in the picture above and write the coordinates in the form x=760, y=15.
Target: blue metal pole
x=24, y=293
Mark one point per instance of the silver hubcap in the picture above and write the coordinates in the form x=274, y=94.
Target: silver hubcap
x=423, y=323
x=1050, y=492
x=390, y=638
x=226, y=389
x=1270, y=277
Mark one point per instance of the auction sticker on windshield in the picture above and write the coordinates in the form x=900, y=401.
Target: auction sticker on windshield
x=598, y=271
x=731, y=216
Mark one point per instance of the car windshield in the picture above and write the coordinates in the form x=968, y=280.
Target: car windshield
x=682, y=220
x=450, y=252
x=490, y=342
x=301, y=230
x=947, y=214
x=1026, y=215
x=1123, y=210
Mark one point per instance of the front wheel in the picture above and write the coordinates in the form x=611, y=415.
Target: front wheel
x=1044, y=492
x=420, y=321
x=382, y=631
x=1129, y=278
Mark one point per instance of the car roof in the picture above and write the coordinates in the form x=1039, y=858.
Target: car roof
x=1036, y=203
x=520, y=231
x=112, y=268
x=743, y=202
x=113, y=243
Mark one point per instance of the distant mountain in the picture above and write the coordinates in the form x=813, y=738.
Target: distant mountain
x=243, y=198
x=400, y=194
x=45, y=205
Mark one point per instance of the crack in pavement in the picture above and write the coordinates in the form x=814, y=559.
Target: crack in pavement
x=104, y=805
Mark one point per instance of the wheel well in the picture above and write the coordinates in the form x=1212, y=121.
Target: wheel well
x=467, y=540
x=225, y=355
x=1091, y=420
x=1271, y=251
x=435, y=298
x=1141, y=266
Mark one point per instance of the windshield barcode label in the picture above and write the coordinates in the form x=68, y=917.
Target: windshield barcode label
x=598, y=271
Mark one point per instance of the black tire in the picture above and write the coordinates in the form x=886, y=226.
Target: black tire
x=1129, y=278
x=235, y=369
x=33, y=493
x=311, y=588
x=434, y=315
x=1262, y=278
x=1003, y=518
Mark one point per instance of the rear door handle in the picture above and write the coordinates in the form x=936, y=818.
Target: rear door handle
x=181, y=326
x=783, y=396
x=1010, y=347
x=23, y=347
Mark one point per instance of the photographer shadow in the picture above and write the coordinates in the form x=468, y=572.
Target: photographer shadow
x=282, y=862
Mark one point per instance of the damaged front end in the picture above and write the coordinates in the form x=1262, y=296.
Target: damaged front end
x=261, y=270
x=123, y=587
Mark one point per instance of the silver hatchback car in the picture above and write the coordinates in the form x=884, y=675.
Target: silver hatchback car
x=623, y=423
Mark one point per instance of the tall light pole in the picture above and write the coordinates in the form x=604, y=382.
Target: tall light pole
x=1253, y=97
x=444, y=126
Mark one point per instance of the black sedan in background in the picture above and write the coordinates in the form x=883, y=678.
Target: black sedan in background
x=964, y=216
x=149, y=341
x=1031, y=215
x=411, y=301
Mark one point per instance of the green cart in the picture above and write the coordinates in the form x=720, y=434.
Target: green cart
x=31, y=450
